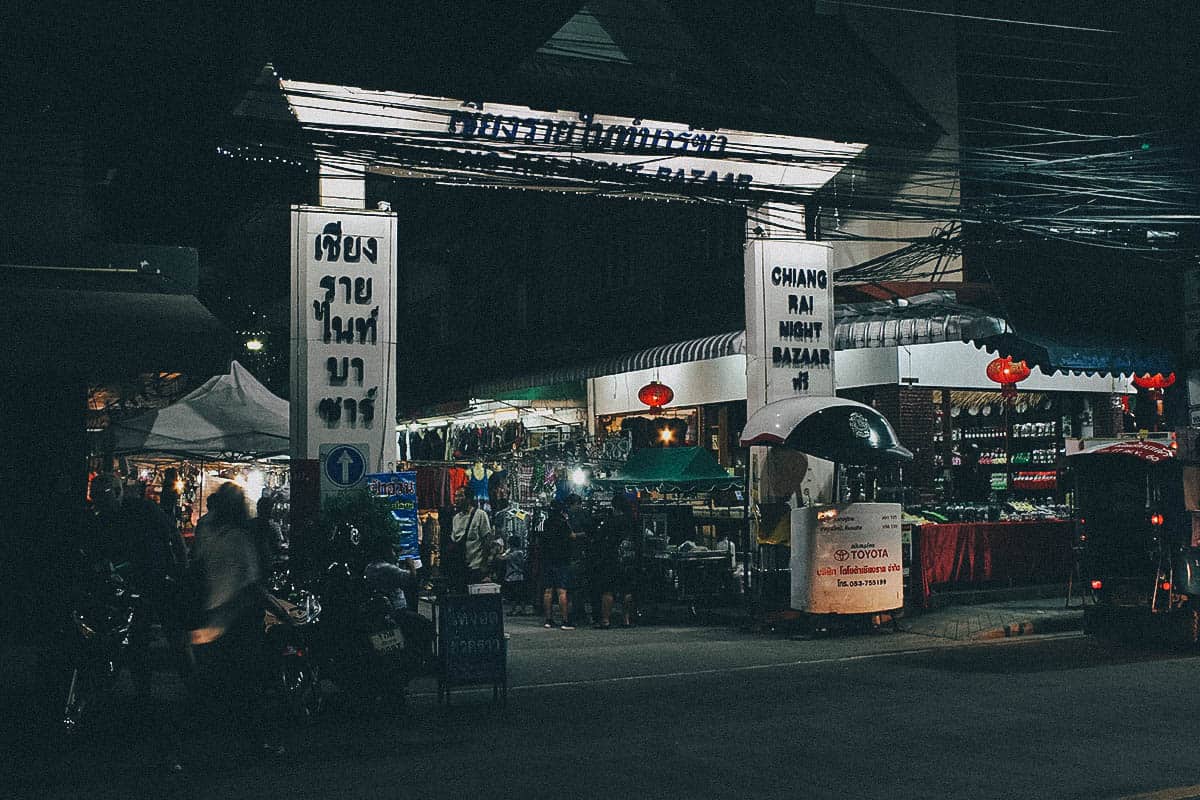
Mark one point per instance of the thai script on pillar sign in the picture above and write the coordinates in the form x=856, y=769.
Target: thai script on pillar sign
x=331, y=245
x=358, y=324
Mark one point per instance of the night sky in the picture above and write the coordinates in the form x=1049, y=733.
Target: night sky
x=120, y=108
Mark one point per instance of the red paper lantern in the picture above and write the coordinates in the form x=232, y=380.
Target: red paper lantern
x=1155, y=382
x=655, y=394
x=1007, y=372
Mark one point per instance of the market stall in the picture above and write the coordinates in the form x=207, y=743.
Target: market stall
x=693, y=512
x=230, y=428
x=973, y=555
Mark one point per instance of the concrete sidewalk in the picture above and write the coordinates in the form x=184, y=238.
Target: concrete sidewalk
x=997, y=620
x=982, y=615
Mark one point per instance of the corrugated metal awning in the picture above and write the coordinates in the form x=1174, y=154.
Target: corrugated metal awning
x=101, y=335
x=717, y=346
x=923, y=319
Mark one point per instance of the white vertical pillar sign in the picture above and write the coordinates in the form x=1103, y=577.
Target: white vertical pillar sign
x=789, y=319
x=343, y=381
x=789, y=345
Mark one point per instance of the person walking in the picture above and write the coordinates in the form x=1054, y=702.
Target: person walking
x=510, y=528
x=556, y=566
x=229, y=637
x=127, y=529
x=133, y=531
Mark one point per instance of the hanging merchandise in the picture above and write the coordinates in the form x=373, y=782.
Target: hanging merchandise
x=433, y=487
x=475, y=440
x=477, y=481
x=458, y=481
x=430, y=536
x=524, y=482
x=497, y=483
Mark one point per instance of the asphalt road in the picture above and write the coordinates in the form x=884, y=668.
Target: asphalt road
x=693, y=712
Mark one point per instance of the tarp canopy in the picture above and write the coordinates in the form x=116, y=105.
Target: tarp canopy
x=230, y=416
x=1082, y=351
x=672, y=469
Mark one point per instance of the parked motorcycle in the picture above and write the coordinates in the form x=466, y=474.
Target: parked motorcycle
x=288, y=623
x=98, y=640
x=355, y=640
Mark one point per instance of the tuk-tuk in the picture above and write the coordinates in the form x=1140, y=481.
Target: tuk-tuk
x=1138, y=553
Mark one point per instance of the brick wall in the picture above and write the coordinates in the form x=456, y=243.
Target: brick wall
x=911, y=412
x=917, y=425
x=1107, y=418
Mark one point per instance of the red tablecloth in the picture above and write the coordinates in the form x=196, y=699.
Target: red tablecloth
x=977, y=552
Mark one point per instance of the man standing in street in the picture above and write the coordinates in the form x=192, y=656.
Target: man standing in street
x=582, y=559
x=556, y=569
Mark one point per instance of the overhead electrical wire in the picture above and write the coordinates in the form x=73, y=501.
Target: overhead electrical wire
x=969, y=17
x=1022, y=177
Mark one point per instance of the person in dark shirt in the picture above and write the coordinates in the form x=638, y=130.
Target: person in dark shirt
x=127, y=528
x=384, y=575
x=619, y=553
x=556, y=570
x=582, y=561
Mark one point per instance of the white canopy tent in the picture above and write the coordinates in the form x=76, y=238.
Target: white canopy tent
x=230, y=417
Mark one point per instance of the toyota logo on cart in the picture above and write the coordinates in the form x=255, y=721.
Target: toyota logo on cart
x=842, y=555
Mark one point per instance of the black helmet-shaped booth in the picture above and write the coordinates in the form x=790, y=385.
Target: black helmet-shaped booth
x=832, y=428
x=845, y=557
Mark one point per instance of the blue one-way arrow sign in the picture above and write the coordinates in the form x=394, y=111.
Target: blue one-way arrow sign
x=343, y=465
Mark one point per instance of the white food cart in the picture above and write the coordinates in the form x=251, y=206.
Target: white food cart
x=845, y=556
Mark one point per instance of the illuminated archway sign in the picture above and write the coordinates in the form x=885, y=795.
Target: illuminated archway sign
x=789, y=281
x=411, y=135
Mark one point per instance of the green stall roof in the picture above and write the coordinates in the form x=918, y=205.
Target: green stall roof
x=678, y=469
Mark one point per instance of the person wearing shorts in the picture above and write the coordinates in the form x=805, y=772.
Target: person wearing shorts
x=618, y=567
x=556, y=569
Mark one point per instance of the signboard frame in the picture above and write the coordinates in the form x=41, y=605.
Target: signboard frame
x=789, y=321
x=343, y=332
x=471, y=644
